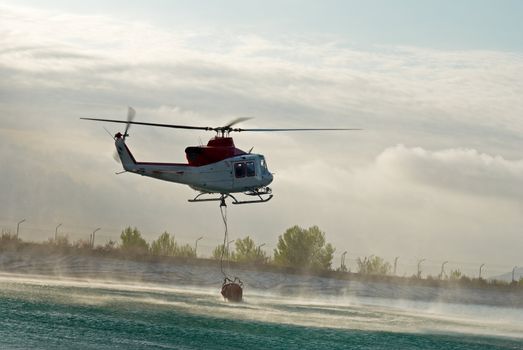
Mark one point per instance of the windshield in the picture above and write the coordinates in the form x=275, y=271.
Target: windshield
x=263, y=165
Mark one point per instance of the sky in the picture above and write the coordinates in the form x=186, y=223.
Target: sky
x=437, y=172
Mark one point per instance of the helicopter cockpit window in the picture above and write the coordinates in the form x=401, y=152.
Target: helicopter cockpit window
x=239, y=169
x=264, y=166
x=250, y=170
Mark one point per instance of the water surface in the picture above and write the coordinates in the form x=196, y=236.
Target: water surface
x=179, y=307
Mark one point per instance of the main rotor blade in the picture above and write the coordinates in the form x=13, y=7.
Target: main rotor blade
x=297, y=129
x=152, y=124
x=226, y=128
x=234, y=122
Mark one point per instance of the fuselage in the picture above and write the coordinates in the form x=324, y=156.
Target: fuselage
x=218, y=167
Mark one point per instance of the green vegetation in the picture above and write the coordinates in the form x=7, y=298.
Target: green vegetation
x=298, y=250
x=164, y=245
x=304, y=248
x=373, y=265
x=185, y=251
x=246, y=252
x=132, y=241
x=455, y=275
x=218, y=252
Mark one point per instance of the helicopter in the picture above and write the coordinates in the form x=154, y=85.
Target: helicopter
x=217, y=171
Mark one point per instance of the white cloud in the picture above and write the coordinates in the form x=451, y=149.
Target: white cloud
x=455, y=204
x=55, y=68
x=456, y=170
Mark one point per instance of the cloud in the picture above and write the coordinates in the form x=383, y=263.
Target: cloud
x=403, y=85
x=414, y=202
x=56, y=67
x=455, y=170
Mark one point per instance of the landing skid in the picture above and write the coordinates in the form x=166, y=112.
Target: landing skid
x=264, y=195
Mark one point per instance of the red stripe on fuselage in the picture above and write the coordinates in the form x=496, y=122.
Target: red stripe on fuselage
x=153, y=163
x=217, y=149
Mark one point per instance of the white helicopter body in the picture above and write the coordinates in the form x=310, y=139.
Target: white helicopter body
x=217, y=168
x=237, y=174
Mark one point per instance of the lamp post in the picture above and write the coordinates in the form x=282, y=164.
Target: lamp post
x=196, y=246
x=395, y=264
x=56, y=232
x=342, y=264
x=480, y=268
x=229, y=242
x=93, y=235
x=18, y=227
x=419, y=267
x=442, y=269
x=258, y=254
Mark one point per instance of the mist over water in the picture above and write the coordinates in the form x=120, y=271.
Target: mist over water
x=85, y=302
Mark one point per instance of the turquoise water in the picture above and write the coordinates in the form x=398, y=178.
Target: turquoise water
x=75, y=313
x=83, y=302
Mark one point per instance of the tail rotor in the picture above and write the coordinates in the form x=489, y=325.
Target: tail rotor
x=130, y=117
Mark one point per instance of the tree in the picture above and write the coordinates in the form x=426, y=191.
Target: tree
x=164, y=245
x=133, y=242
x=82, y=244
x=304, y=248
x=7, y=236
x=373, y=265
x=455, y=275
x=247, y=252
x=226, y=252
x=185, y=251
x=62, y=241
x=218, y=252
x=109, y=246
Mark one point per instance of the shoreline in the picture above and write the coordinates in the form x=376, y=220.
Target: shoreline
x=464, y=281
x=102, y=265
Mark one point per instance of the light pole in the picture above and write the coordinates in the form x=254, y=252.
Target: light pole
x=342, y=265
x=480, y=268
x=513, y=270
x=229, y=242
x=56, y=232
x=259, y=254
x=419, y=267
x=93, y=235
x=395, y=264
x=18, y=227
x=196, y=246
x=442, y=269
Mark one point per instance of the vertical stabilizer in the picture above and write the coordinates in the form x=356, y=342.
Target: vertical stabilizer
x=127, y=159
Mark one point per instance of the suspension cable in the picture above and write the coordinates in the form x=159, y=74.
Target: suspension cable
x=223, y=211
x=227, y=278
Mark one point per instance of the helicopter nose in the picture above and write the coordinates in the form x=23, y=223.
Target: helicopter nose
x=269, y=178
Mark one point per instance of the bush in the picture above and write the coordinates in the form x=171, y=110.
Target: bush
x=373, y=265
x=185, y=251
x=455, y=275
x=247, y=252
